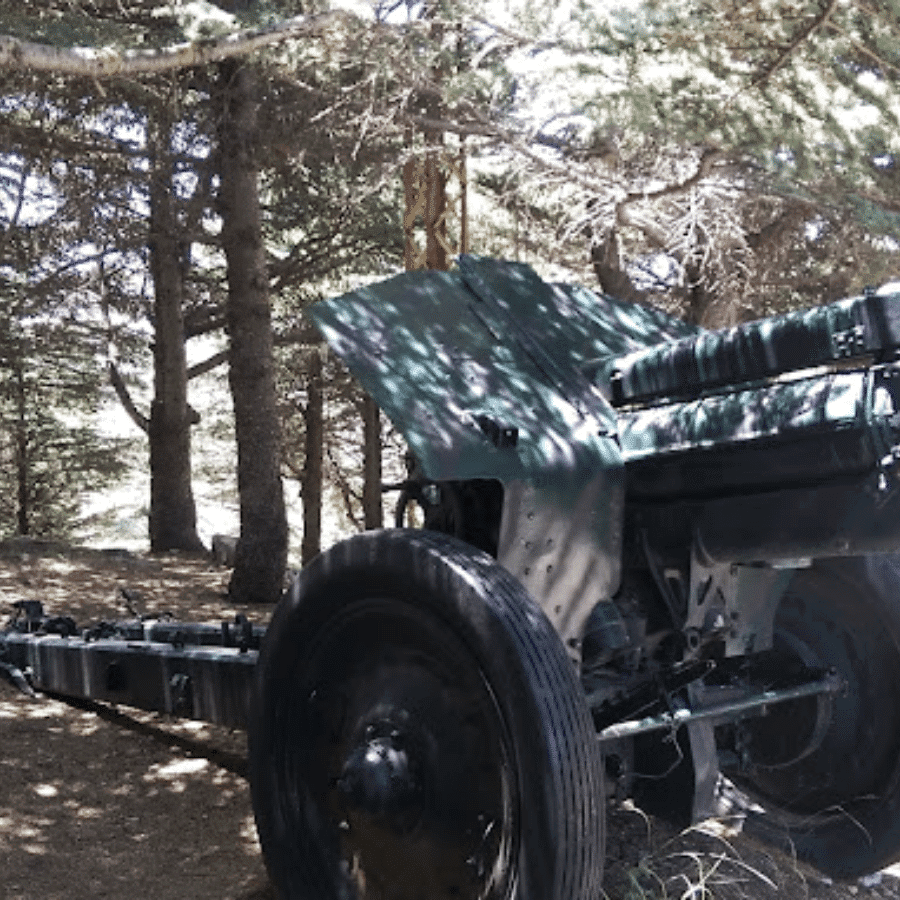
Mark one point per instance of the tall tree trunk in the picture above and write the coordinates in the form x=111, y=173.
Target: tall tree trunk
x=373, y=516
x=173, y=516
x=311, y=488
x=699, y=299
x=261, y=555
x=607, y=263
x=23, y=467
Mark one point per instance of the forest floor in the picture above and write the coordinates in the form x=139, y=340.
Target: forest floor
x=113, y=803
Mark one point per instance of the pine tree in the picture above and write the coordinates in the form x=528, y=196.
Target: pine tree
x=730, y=158
x=52, y=449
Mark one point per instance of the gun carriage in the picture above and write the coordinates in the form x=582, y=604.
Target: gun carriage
x=651, y=555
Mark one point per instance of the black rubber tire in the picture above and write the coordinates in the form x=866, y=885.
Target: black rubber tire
x=838, y=807
x=465, y=620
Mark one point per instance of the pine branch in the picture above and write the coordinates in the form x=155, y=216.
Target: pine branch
x=16, y=54
x=348, y=495
x=624, y=216
x=305, y=334
x=887, y=21
x=708, y=158
x=800, y=38
x=519, y=39
x=203, y=321
x=477, y=129
x=19, y=202
x=860, y=48
x=69, y=146
x=115, y=379
x=207, y=365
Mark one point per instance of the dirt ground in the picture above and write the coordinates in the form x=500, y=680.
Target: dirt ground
x=114, y=803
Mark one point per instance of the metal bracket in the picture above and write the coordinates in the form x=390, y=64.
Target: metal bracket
x=16, y=678
x=880, y=409
x=503, y=438
x=737, y=603
x=736, y=600
x=705, y=759
x=849, y=343
x=28, y=615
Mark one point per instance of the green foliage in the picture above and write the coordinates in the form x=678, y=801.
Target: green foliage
x=53, y=335
x=709, y=141
x=51, y=450
x=742, y=155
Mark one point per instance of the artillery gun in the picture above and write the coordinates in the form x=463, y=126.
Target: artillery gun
x=653, y=557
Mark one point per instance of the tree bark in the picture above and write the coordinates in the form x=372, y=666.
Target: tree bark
x=261, y=555
x=173, y=515
x=607, y=264
x=700, y=300
x=373, y=516
x=105, y=62
x=615, y=280
x=311, y=485
x=23, y=461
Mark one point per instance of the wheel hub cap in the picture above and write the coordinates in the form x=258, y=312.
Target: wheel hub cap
x=381, y=779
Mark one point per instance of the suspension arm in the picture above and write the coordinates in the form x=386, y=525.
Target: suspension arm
x=681, y=714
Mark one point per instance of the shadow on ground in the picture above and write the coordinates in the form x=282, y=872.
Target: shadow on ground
x=99, y=802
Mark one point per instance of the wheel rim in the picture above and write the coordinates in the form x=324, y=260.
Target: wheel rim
x=833, y=759
x=793, y=730
x=397, y=768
